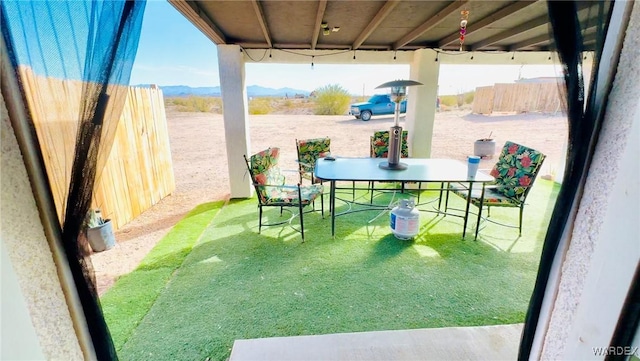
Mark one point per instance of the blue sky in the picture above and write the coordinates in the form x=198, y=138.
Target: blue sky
x=173, y=52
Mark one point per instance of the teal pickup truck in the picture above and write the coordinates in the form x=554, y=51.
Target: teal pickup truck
x=379, y=104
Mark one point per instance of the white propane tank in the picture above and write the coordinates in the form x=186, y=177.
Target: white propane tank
x=405, y=219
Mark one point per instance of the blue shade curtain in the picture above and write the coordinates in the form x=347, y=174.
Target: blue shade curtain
x=94, y=42
x=574, y=32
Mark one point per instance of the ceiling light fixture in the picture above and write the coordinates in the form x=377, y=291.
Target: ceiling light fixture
x=335, y=29
x=326, y=32
x=324, y=25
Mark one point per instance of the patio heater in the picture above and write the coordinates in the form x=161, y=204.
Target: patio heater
x=398, y=94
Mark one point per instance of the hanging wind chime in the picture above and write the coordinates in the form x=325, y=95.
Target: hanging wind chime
x=464, y=17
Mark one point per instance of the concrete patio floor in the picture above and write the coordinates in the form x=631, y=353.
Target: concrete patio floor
x=453, y=343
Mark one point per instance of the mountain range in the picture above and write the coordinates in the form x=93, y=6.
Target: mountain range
x=252, y=91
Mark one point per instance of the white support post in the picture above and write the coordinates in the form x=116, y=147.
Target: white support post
x=421, y=105
x=236, y=118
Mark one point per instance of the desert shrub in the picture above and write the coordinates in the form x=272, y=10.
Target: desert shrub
x=468, y=97
x=448, y=100
x=331, y=100
x=196, y=104
x=258, y=106
x=287, y=104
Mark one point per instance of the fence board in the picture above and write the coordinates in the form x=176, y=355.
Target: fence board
x=483, y=100
x=138, y=171
x=544, y=97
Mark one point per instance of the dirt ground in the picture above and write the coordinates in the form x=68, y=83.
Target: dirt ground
x=200, y=161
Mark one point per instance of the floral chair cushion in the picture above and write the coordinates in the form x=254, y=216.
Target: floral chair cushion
x=491, y=196
x=515, y=170
x=289, y=194
x=265, y=171
x=309, y=151
x=380, y=144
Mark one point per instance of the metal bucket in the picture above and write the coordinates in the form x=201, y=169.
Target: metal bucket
x=101, y=238
x=484, y=148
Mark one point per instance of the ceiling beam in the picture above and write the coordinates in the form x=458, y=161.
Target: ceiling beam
x=200, y=19
x=429, y=24
x=322, y=6
x=375, y=22
x=486, y=21
x=263, y=23
x=531, y=24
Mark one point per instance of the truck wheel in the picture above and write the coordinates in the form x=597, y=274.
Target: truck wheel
x=365, y=115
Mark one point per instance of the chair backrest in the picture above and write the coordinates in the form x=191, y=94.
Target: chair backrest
x=379, y=145
x=516, y=169
x=309, y=150
x=264, y=170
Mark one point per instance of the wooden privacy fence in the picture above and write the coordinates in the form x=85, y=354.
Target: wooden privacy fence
x=519, y=98
x=138, y=171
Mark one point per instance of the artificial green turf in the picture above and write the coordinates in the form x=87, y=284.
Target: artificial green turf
x=237, y=284
x=129, y=300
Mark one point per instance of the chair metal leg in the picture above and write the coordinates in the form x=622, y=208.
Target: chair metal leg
x=520, y=224
x=260, y=219
x=419, y=191
x=300, y=206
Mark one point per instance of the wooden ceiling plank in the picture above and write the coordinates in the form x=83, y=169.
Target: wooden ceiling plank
x=322, y=6
x=261, y=20
x=534, y=23
x=429, y=24
x=486, y=21
x=251, y=45
x=194, y=13
x=539, y=21
x=375, y=22
x=303, y=46
x=537, y=40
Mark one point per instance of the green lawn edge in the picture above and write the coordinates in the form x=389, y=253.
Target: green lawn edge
x=133, y=295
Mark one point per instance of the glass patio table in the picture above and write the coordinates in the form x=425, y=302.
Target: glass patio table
x=418, y=170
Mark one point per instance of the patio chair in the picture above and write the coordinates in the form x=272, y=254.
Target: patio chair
x=379, y=148
x=271, y=190
x=514, y=173
x=309, y=151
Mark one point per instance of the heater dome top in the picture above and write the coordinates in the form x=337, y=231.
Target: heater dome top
x=398, y=83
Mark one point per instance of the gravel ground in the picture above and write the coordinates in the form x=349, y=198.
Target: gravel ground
x=200, y=161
